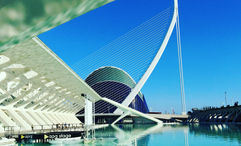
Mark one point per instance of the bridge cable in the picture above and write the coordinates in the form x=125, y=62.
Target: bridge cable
x=180, y=65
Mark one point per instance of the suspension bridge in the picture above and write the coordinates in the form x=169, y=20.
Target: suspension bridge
x=38, y=88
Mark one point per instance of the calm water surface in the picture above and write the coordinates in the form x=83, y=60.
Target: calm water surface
x=168, y=135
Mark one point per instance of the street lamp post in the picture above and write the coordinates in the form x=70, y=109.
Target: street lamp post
x=225, y=96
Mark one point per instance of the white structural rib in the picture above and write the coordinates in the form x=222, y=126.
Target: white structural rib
x=131, y=111
x=153, y=64
x=37, y=89
x=121, y=117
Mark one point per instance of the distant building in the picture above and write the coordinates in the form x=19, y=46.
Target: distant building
x=115, y=84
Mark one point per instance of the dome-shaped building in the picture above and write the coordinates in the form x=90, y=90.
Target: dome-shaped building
x=115, y=84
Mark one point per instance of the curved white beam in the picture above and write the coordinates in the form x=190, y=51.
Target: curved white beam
x=153, y=64
x=131, y=111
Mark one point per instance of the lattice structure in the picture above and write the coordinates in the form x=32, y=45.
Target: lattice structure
x=131, y=52
x=36, y=87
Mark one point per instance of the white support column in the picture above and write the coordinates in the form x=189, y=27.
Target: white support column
x=88, y=112
x=52, y=118
x=28, y=118
x=6, y=120
x=179, y=47
x=58, y=120
x=44, y=118
x=19, y=120
x=36, y=118
x=68, y=118
x=57, y=116
x=62, y=117
x=49, y=119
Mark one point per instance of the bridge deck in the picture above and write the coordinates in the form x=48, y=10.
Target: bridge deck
x=163, y=117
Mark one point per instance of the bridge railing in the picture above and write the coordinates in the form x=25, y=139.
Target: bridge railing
x=12, y=130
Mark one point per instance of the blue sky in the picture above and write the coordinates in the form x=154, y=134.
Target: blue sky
x=211, y=43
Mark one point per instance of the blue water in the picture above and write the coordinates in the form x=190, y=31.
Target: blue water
x=168, y=135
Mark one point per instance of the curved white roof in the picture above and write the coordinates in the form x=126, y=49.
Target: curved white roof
x=36, y=86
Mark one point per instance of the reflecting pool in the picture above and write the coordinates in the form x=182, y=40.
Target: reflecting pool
x=168, y=135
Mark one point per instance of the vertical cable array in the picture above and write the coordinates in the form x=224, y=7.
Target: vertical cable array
x=136, y=53
x=131, y=52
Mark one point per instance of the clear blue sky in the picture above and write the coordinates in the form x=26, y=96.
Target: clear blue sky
x=211, y=43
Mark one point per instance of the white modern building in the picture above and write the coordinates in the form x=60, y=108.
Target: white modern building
x=36, y=86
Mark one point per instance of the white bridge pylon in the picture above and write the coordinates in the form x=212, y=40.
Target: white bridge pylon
x=153, y=64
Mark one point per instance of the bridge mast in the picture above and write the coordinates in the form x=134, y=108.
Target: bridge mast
x=179, y=47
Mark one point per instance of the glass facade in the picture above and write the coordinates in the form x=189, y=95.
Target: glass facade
x=115, y=84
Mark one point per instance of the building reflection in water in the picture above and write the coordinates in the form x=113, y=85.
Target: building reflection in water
x=127, y=134
x=140, y=135
x=229, y=132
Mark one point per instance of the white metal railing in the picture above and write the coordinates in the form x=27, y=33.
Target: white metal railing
x=12, y=130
